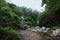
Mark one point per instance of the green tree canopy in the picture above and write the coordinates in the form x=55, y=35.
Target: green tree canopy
x=52, y=16
x=29, y=15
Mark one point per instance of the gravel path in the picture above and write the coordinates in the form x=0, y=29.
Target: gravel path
x=29, y=35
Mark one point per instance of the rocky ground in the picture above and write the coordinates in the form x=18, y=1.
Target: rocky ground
x=31, y=35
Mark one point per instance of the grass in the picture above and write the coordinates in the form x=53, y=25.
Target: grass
x=9, y=34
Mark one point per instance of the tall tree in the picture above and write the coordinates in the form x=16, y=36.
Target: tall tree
x=52, y=15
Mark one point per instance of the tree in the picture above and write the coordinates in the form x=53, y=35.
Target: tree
x=29, y=15
x=7, y=17
x=52, y=15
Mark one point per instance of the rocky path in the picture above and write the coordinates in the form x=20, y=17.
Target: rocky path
x=29, y=35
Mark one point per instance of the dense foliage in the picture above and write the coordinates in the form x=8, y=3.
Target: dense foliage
x=9, y=34
x=52, y=16
x=52, y=5
x=8, y=19
x=29, y=15
x=7, y=16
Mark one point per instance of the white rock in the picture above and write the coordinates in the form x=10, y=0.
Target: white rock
x=54, y=33
x=43, y=27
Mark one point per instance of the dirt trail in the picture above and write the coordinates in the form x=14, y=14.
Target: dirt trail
x=29, y=35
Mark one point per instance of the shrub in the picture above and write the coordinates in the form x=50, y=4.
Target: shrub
x=7, y=16
x=9, y=34
x=45, y=33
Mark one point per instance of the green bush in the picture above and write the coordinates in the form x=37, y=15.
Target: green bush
x=9, y=34
x=45, y=33
x=7, y=16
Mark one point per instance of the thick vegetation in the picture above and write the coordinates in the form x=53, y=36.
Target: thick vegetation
x=9, y=34
x=29, y=15
x=11, y=15
x=8, y=19
x=52, y=16
x=7, y=16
